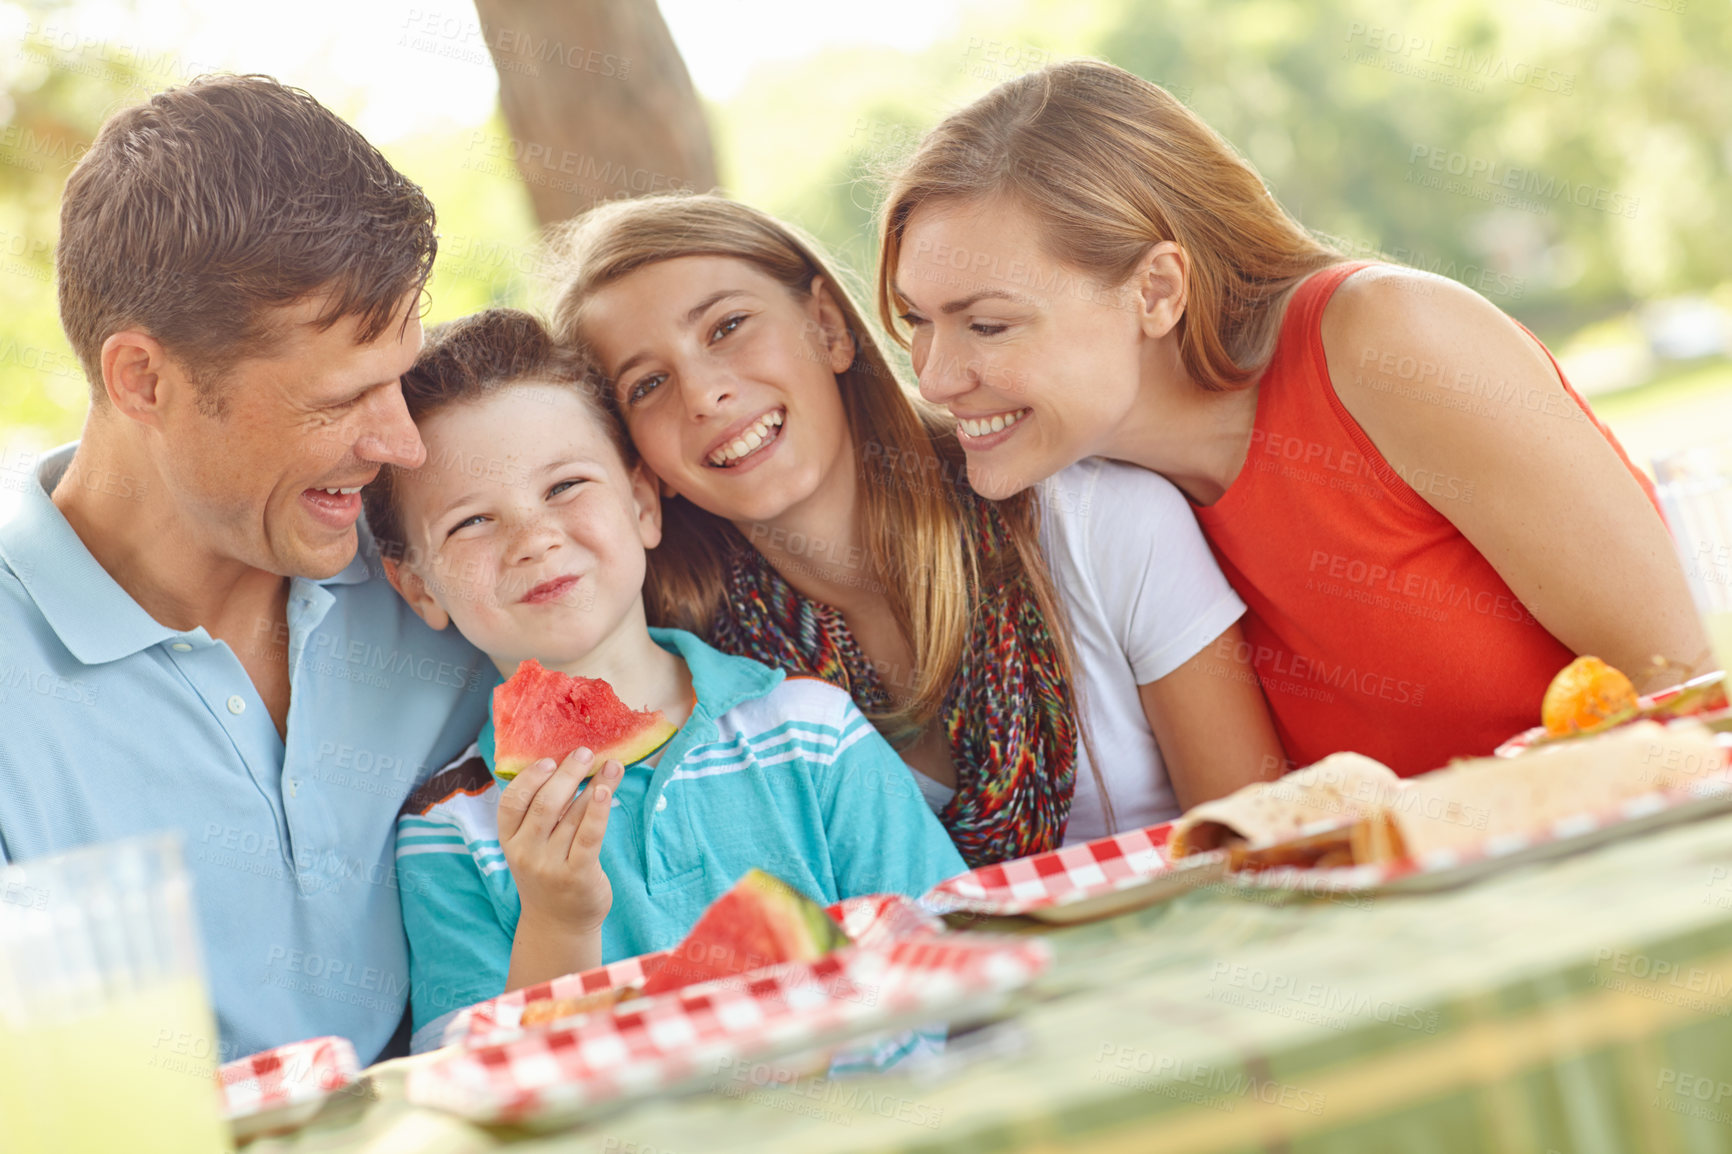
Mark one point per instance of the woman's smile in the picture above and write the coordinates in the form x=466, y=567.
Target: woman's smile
x=978, y=434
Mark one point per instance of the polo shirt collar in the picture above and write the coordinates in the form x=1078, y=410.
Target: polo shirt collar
x=93, y=616
x=720, y=681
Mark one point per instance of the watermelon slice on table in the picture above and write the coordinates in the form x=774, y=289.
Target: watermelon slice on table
x=541, y=712
x=761, y=921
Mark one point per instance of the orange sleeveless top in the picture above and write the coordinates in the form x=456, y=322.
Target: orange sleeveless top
x=1374, y=625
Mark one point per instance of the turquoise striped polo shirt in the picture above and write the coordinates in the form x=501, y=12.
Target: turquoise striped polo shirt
x=770, y=772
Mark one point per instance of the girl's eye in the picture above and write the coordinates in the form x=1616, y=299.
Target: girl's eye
x=913, y=319
x=987, y=328
x=728, y=325
x=643, y=388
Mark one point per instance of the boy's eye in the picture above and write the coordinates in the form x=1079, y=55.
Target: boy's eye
x=643, y=388
x=728, y=325
x=562, y=486
x=466, y=522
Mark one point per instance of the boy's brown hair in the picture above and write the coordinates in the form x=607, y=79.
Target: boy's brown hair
x=474, y=357
x=194, y=213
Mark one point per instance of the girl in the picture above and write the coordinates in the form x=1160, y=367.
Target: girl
x=818, y=521
x=1423, y=516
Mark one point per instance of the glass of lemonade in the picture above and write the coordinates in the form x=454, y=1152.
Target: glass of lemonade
x=106, y=1035
x=1695, y=489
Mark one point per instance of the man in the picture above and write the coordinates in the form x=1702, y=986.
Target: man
x=194, y=633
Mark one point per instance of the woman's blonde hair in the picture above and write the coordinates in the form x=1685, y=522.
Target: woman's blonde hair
x=925, y=552
x=1108, y=164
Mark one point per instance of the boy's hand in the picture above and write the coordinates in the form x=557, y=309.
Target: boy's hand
x=552, y=836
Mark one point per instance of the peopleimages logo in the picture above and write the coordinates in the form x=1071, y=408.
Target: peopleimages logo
x=1505, y=178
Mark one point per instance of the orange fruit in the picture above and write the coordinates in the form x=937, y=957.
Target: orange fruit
x=1586, y=693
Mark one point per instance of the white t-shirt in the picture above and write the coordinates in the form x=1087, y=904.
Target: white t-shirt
x=1144, y=595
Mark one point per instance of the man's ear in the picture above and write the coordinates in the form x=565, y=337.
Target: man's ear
x=409, y=586
x=646, y=498
x=1158, y=288
x=139, y=376
x=832, y=325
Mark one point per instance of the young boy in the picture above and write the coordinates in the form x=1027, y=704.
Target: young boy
x=526, y=529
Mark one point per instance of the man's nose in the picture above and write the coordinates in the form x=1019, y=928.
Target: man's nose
x=390, y=437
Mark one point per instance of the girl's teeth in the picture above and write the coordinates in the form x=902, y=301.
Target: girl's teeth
x=751, y=439
x=343, y=492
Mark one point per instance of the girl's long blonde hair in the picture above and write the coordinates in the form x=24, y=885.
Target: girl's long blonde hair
x=925, y=553
x=1108, y=164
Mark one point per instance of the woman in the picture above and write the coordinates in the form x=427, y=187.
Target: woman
x=817, y=520
x=1424, y=518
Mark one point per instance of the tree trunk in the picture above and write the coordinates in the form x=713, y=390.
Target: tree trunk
x=598, y=100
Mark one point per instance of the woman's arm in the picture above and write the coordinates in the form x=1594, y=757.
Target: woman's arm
x=1455, y=395
x=1212, y=724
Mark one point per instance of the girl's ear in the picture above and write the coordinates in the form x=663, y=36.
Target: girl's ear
x=1158, y=287
x=646, y=490
x=832, y=325
x=413, y=589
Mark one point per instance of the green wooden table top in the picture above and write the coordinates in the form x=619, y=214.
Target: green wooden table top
x=1579, y=1005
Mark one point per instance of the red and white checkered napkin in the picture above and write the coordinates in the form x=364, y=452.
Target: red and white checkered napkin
x=901, y=971
x=290, y=1075
x=1058, y=877
x=867, y=921
x=501, y=1015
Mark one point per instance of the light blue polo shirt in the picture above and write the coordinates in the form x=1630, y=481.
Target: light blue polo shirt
x=783, y=774
x=112, y=725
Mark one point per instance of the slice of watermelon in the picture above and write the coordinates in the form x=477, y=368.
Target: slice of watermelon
x=541, y=712
x=761, y=921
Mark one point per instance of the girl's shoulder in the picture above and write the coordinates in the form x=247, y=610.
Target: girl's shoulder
x=1104, y=506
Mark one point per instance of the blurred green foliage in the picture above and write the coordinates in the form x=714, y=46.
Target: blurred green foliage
x=1568, y=158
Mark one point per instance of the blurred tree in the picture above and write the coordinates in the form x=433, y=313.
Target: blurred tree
x=1566, y=159
x=599, y=102
x=53, y=102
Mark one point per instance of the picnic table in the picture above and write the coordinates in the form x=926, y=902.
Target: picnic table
x=1573, y=1006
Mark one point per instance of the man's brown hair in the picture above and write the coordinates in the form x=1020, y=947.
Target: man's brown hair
x=196, y=211
x=475, y=357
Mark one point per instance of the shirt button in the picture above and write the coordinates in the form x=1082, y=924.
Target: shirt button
x=237, y=705
x=661, y=803
x=294, y=787
x=181, y=647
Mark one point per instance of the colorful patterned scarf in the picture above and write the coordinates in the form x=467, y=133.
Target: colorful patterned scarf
x=1012, y=736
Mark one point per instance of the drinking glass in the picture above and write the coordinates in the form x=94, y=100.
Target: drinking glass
x=106, y=1035
x=1695, y=489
